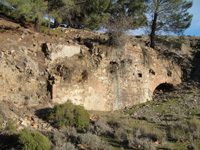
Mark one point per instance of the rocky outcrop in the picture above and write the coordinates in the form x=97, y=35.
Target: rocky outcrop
x=8, y=25
x=119, y=78
x=22, y=68
x=81, y=67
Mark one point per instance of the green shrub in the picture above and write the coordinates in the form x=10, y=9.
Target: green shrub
x=69, y=115
x=29, y=140
x=44, y=29
x=57, y=32
x=10, y=127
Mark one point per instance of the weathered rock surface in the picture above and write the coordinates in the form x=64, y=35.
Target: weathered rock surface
x=8, y=25
x=121, y=78
x=80, y=67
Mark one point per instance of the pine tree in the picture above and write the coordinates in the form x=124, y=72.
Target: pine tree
x=86, y=14
x=31, y=10
x=169, y=16
x=57, y=10
x=132, y=9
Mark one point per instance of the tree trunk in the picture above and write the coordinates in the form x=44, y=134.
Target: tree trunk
x=56, y=24
x=49, y=25
x=154, y=24
x=37, y=24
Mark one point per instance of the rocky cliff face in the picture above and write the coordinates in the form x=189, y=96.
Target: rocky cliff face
x=110, y=79
x=80, y=67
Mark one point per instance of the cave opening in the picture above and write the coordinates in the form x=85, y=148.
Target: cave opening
x=162, y=88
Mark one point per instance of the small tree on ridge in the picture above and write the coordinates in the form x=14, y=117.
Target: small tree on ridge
x=168, y=16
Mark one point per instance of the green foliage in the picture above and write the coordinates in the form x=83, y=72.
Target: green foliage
x=10, y=128
x=58, y=9
x=53, y=32
x=30, y=140
x=57, y=31
x=124, y=15
x=31, y=10
x=170, y=16
x=44, y=29
x=88, y=14
x=133, y=10
x=69, y=115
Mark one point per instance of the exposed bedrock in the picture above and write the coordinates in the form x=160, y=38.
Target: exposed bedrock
x=110, y=79
x=36, y=69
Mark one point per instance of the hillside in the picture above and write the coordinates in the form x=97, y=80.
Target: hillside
x=151, y=95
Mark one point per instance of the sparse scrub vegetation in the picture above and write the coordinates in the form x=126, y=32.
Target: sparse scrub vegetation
x=121, y=134
x=65, y=139
x=92, y=142
x=185, y=130
x=116, y=26
x=59, y=139
x=101, y=127
x=171, y=121
x=68, y=146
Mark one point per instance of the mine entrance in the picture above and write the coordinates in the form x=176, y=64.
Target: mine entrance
x=162, y=88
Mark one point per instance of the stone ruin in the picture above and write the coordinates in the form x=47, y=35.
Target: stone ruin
x=82, y=68
x=116, y=80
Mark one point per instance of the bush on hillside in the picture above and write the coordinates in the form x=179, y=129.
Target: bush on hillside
x=10, y=127
x=92, y=142
x=29, y=140
x=69, y=115
x=101, y=127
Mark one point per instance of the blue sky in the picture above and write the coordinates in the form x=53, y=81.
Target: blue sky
x=194, y=29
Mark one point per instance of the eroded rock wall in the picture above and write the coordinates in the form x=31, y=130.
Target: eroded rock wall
x=80, y=67
x=111, y=80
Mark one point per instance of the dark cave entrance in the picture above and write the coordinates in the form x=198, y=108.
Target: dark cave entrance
x=162, y=88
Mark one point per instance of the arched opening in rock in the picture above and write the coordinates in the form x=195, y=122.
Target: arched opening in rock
x=163, y=87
